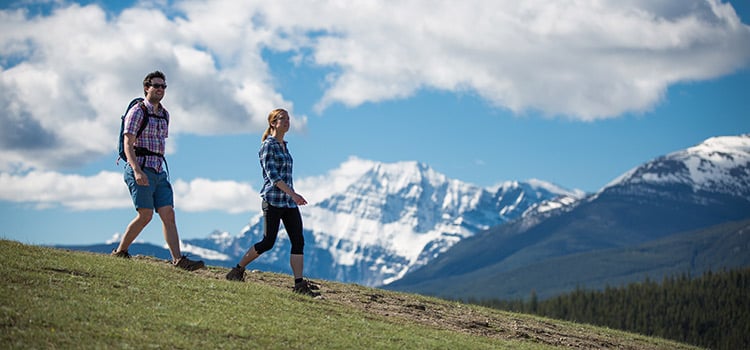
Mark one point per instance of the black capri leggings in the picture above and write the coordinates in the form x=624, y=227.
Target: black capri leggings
x=292, y=219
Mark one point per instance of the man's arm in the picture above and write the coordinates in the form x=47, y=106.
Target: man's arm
x=128, y=141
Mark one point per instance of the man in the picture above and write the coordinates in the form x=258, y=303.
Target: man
x=148, y=183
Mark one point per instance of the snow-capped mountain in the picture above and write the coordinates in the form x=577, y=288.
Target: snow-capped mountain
x=377, y=221
x=678, y=201
x=719, y=165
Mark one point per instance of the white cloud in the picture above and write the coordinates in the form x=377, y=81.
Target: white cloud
x=75, y=68
x=107, y=190
x=206, y=195
x=71, y=73
x=319, y=188
x=585, y=60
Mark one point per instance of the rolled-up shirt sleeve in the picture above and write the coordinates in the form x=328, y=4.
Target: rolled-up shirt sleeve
x=269, y=163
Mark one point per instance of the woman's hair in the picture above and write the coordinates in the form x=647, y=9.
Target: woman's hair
x=275, y=114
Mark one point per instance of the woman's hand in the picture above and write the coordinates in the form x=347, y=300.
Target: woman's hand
x=298, y=199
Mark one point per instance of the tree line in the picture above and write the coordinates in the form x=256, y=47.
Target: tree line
x=710, y=311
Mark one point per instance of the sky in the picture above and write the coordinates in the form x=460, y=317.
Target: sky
x=570, y=92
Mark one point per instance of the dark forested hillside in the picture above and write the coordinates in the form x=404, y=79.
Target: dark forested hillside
x=710, y=311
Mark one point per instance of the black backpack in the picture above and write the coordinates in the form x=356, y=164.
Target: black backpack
x=139, y=151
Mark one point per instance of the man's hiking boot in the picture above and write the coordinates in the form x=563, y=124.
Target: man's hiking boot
x=237, y=274
x=189, y=265
x=121, y=254
x=306, y=288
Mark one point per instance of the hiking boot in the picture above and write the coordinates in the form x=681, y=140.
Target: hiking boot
x=121, y=254
x=306, y=288
x=312, y=285
x=237, y=274
x=189, y=265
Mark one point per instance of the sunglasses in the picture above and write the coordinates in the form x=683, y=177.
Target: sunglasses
x=158, y=86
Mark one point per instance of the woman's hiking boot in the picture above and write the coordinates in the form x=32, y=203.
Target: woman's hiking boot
x=236, y=274
x=305, y=287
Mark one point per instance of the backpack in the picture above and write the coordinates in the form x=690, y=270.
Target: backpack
x=139, y=151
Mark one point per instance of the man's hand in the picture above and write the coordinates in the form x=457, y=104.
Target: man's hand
x=140, y=177
x=129, y=144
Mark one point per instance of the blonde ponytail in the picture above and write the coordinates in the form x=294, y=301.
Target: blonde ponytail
x=265, y=134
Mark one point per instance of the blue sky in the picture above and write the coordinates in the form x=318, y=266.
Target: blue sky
x=484, y=92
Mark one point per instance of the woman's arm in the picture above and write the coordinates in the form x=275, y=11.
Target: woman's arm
x=296, y=197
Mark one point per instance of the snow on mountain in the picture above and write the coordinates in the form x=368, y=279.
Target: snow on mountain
x=370, y=222
x=719, y=165
x=200, y=251
x=548, y=196
x=401, y=207
x=554, y=204
x=221, y=239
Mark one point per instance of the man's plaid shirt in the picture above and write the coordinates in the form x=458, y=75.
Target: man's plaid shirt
x=154, y=135
x=276, y=163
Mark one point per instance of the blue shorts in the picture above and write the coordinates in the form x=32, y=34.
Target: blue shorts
x=157, y=194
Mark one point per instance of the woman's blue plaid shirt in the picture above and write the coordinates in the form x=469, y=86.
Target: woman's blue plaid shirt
x=276, y=163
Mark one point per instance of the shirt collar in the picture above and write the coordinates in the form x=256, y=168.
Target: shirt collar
x=270, y=137
x=150, y=106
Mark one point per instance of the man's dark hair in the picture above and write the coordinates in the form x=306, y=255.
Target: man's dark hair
x=149, y=76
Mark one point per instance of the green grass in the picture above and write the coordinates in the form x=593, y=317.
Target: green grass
x=58, y=299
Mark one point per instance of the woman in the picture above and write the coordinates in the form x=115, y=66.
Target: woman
x=280, y=203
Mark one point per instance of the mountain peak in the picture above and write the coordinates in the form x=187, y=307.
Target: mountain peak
x=729, y=144
x=718, y=164
x=399, y=177
x=537, y=186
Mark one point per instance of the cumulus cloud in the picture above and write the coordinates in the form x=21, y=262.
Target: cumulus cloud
x=207, y=195
x=584, y=60
x=73, y=68
x=45, y=189
x=72, y=72
x=318, y=188
x=52, y=189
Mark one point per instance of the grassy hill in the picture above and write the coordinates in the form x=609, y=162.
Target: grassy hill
x=58, y=299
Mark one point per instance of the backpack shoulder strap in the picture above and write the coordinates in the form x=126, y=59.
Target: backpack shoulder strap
x=146, y=116
x=144, y=123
